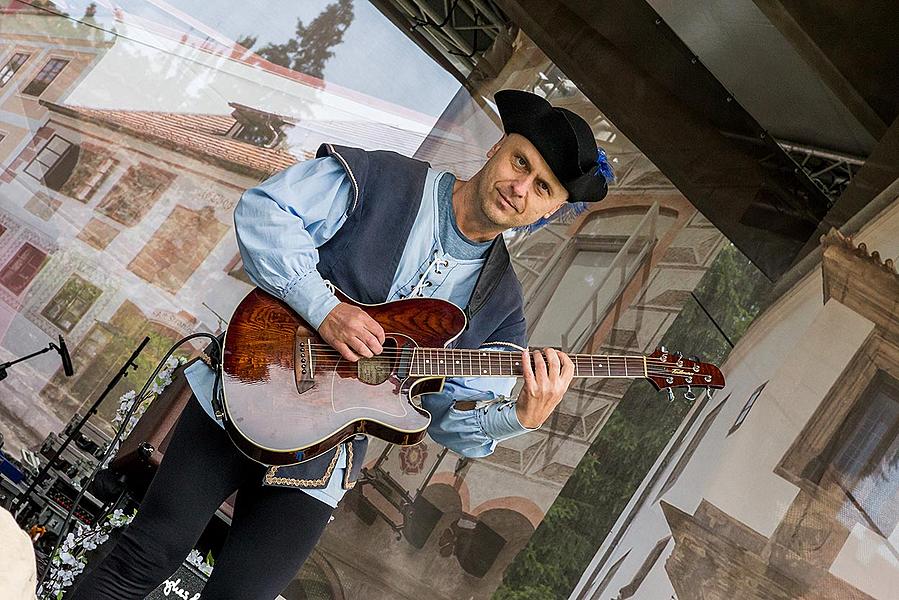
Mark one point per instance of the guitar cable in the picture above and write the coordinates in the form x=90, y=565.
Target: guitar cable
x=215, y=364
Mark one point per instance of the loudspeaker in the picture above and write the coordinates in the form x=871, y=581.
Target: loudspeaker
x=421, y=523
x=478, y=548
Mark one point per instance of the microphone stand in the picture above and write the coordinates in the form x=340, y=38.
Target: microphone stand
x=123, y=372
x=6, y=365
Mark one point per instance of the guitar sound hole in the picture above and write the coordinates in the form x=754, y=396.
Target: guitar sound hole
x=378, y=369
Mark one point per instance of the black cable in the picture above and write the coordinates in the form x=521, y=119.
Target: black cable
x=427, y=20
x=712, y=319
x=137, y=401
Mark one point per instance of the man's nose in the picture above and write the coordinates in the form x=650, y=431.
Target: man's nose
x=520, y=186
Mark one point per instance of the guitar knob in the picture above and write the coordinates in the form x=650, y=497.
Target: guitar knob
x=689, y=395
x=663, y=349
x=670, y=395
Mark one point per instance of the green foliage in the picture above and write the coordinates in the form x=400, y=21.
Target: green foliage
x=552, y=562
x=247, y=41
x=310, y=50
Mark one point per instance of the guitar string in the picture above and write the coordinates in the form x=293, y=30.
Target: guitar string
x=613, y=361
x=350, y=368
x=656, y=368
x=326, y=348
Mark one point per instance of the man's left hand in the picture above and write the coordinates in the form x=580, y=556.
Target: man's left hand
x=544, y=385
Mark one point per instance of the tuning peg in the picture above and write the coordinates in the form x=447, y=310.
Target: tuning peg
x=670, y=395
x=663, y=349
x=710, y=392
x=689, y=395
x=695, y=359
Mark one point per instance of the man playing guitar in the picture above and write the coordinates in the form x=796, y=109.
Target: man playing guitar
x=380, y=227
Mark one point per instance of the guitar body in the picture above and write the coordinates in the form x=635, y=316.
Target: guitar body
x=289, y=397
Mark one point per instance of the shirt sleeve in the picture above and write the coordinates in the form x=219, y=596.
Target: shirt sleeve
x=280, y=224
x=474, y=433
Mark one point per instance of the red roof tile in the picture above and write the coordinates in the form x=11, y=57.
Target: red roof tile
x=198, y=135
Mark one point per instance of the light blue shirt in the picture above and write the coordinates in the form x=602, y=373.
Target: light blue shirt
x=279, y=226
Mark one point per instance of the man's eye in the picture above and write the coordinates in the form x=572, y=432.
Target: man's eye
x=520, y=161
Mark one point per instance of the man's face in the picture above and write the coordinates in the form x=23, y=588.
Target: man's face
x=516, y=186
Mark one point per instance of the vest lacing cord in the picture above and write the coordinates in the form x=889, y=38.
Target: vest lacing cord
x=435, y=264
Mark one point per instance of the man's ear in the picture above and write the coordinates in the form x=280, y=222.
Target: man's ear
x=496, y=147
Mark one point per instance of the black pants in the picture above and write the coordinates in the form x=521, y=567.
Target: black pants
x=272, y=533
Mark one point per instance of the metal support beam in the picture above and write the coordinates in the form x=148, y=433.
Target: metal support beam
x=852, y=47
x=636, y=70
x=462, y=31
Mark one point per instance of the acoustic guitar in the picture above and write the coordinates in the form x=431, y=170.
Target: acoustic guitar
x=289, y=397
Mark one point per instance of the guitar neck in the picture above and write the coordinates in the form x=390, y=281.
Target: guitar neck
x=442, y=362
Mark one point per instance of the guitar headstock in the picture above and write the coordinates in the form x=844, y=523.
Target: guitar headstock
x=667, y=370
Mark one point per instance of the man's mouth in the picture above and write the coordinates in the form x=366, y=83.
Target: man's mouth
x=507, y=201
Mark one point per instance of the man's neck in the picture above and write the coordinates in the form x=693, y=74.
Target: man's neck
x=469, y=216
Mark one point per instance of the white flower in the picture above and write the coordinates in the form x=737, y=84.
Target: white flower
x=196, y=559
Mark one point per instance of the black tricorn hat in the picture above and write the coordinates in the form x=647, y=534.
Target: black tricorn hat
x=563, y=138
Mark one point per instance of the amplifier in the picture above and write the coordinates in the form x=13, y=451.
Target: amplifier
x=91, y=439
x=60, y=496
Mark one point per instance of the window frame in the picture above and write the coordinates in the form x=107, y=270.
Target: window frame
x=799, y=464
x=39, y=79
x=64, y=308
x=18, y=256
x=7, y=72
x=46, y=148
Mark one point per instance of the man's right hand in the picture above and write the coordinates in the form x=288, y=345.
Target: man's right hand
x=350, y=331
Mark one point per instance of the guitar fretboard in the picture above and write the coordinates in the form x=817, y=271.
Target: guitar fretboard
x=493, y=363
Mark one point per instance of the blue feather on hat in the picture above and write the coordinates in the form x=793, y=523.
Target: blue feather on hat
x=603, y=166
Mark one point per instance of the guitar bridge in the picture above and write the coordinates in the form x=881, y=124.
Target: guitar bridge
x=303, y=367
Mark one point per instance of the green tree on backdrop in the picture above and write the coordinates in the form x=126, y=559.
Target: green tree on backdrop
x=554, y=559
x=309, y=51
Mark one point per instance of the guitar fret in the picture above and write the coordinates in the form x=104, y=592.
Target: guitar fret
x=448, y=362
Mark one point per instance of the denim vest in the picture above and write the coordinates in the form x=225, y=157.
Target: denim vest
x=386, y=192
